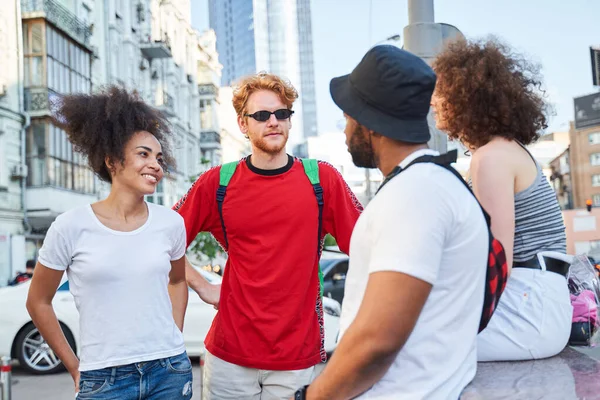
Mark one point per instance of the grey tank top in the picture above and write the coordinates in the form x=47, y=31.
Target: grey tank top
x=539, y=223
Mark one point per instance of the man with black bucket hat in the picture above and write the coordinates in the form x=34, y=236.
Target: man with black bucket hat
x=415, y=285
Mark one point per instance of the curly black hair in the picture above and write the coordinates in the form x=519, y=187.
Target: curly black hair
x=484, y=90
x=99, y=125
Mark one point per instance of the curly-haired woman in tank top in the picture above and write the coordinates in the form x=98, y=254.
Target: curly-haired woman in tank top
x=489, y=98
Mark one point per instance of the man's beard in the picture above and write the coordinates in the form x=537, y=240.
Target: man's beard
x=360, y=149
x=269, y=148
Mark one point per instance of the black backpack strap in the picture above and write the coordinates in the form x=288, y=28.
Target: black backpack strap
x=444, y=161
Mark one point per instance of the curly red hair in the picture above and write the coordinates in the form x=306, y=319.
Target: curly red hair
x=485, y=90
x=262, y=81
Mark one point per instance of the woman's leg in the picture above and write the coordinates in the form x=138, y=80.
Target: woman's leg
x=516, y=323
x=557, y=318
x=532, y=320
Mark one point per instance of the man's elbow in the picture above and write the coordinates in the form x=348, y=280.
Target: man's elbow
x=385, y=347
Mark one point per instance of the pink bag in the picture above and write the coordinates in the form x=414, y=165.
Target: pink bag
x=585, y=308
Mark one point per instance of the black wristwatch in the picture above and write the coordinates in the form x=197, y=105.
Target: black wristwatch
x=301, y=393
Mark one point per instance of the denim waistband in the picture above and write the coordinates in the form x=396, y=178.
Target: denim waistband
x=114, y=373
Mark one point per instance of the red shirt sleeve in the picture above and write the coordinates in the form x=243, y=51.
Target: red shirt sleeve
x=198, y=206
x=341, y=209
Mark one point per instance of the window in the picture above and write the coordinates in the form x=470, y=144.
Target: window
x=159, y=195
x=591, y=247
x=191, y=158
x=33, y=56
x=595, y=159
x=52, y=59
x=68, y=65
x=595, y=180
x=3, y=161
x=594, y=138
x=596, y=200
x=206, y=122
x=52, y=161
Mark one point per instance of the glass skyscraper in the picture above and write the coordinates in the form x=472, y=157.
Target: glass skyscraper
x=273, y=36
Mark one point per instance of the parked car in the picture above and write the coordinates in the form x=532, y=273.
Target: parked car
x=20, y=339
x=334, y=266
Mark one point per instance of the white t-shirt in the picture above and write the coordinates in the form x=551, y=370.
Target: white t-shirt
x=426, y=224
x=119, y=281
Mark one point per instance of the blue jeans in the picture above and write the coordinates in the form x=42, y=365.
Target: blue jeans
x=165, y=378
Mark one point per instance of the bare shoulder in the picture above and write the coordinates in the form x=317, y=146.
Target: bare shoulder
x=499, y=152
x=495, y=161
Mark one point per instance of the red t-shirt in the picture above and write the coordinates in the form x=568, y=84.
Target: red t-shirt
x=270, y=311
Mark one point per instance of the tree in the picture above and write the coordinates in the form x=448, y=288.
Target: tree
x=329, y=241
x=205, y=245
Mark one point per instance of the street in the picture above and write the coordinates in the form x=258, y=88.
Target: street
x=60, y=386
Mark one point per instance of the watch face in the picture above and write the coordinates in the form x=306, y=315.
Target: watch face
x=300, y=394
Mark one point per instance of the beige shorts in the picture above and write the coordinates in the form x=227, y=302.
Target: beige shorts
x=226, y=381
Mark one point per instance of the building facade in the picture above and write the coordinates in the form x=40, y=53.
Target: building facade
x=234, y=144
x=560, y=179
x=13, y=121
x=273, y=36
x=584, y=157
x=56, y=47
x=583, y=235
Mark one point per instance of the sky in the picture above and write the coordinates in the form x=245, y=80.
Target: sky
x=554, y=33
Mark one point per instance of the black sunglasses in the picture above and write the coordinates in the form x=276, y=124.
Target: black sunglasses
x=263, y=115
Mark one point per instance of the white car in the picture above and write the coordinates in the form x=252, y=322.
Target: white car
x=20, y=339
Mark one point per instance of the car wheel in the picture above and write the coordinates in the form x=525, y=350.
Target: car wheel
x=35, y=355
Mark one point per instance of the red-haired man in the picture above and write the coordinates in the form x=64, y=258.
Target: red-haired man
x=264, y=210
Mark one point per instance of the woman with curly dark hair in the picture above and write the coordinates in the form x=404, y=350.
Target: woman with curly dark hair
x=124, y=258
x=490, y=100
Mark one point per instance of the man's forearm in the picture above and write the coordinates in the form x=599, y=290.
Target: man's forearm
x=178, y=292
x=357, y=364
x=193, y=278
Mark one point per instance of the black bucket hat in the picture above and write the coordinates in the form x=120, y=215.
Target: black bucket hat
x=388, y=92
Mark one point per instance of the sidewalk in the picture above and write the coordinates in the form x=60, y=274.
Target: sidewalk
x=59, y=386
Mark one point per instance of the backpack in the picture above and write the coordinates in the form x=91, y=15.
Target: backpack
x=311, y=169
x=497, y=268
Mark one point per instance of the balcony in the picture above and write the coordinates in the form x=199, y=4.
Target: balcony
x=208, y=89
x=156, y=49
x=55, y=186
x=167, y=104
x=58, y=15
x=39, y=100
x=210, y=140
x=152, y=49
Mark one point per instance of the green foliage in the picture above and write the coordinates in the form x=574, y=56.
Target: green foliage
x=329, y=241
x=205, y=245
